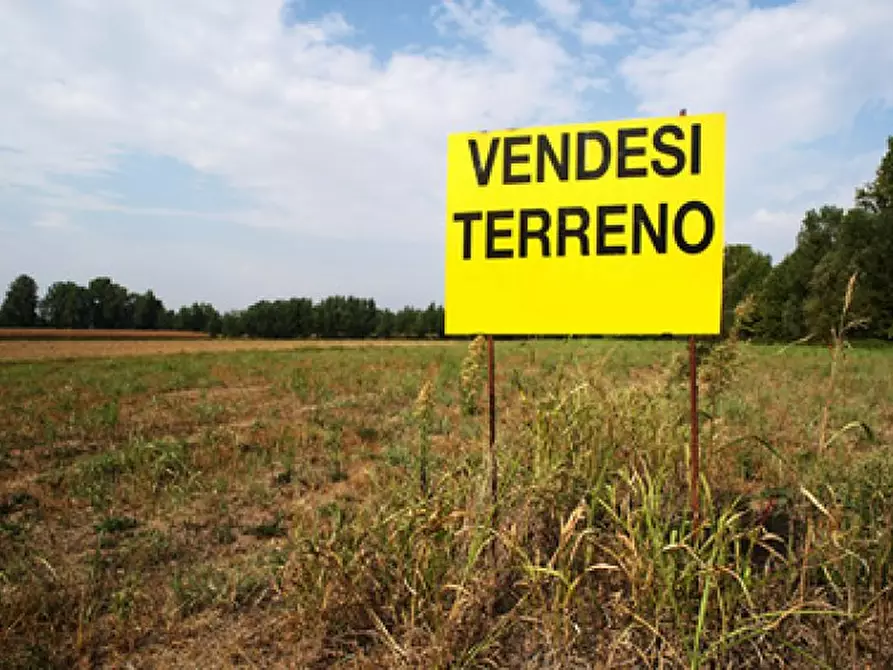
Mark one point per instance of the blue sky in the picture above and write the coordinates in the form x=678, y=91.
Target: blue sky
x=228, y=151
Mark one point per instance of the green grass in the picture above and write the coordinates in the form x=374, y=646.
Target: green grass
x=311, y=508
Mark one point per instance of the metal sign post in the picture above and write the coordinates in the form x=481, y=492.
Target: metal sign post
x=694, y=446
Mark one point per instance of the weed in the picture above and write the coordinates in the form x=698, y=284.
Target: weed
x=197, y=589
x=470, y=375
x=422, y=414
x=116, y=524
x=591, y=562
x=285, y=477
x=839, y=343
x=272, y=528
x=223, y=534
x=368, y=434
x=398, y=456
x=332, y=443
x=299, y=384
x=155, y=466
x=17, y=502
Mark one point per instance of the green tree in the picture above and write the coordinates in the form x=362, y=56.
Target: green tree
x=877, y=195
x=333, y=317
x=384, y=323
x=854, y=249
x=362, y=317
x=214, y=327
x=781, y=311
x=803, y=295
x=875, y=285
x=105, y=304
x=199, y=317
x=300, y=317
x=112, y=304
x=232, y=324
x=861, y=243
x=744, y=272
x=66, y=305
x=407, y=323
x=19, y=307
x=148, y=311
x=431, y=321
x=167, y=320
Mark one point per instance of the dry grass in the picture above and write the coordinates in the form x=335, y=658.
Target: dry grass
x=11, y=350
x=96, y=334
x=321, y=506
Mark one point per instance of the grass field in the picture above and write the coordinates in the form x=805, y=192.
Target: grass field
x=318, y=506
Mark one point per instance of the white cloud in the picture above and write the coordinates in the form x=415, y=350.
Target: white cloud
x=567, y=15
x=561, y=11
x=599, y=33
x=772, y=227
x=785, y=76
x=472, y=17
x=329, y=138
x=324, y=138
x=795, y=72
x=53, y=221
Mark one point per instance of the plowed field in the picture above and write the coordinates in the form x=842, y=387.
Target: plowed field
x=97, y=334
x=67, y=349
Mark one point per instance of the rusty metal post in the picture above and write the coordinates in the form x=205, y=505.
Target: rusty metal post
x=494, y=480
x=695, y=447
x=491, y=392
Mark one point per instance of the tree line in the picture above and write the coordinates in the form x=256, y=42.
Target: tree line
x=804, y=295
x=800, y=297
x=105, y=304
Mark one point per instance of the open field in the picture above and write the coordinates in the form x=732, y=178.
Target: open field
x=97, y=334
x=13, y=350
x=321, y=506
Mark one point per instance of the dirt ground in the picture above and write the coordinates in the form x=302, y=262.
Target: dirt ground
x=97, y=334
x=13, y=350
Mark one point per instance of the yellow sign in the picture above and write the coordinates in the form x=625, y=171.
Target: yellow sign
x=607, y=228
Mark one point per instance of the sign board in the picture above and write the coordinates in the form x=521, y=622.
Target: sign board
x=605, y=228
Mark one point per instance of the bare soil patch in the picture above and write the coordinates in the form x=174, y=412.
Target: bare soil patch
x=12, y=350
x=97, y=334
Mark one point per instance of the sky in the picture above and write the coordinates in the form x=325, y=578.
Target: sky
x=229, y=150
